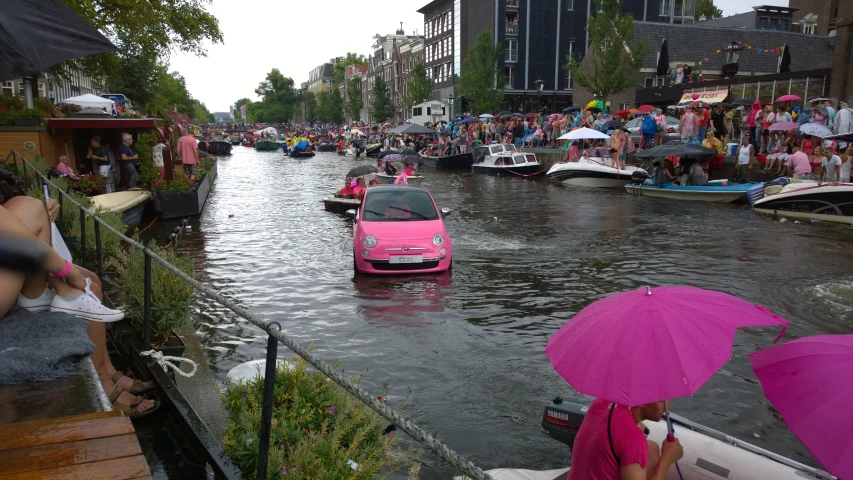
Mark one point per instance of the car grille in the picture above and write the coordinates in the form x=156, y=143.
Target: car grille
x=405, y=266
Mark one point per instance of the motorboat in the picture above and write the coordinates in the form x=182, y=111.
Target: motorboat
x=247, y=143
x=718, y=191
x=372, y=149
x=460, y=161
x=708, y=453
x=219, y=147
x=235, y=141
x=339, y=204
x=384, y=178
x=130, y=203
x=501, y=159
x=595, y=172
x=266, y=145
x=829, y=202
x=326, y=147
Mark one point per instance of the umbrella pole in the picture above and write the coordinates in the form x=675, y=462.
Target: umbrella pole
x=670, y=433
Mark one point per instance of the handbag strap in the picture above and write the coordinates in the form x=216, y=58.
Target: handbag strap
x=610, y=435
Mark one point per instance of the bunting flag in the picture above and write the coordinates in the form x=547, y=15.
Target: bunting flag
x=720, y=50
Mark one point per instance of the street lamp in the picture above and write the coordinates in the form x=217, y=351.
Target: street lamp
x=540, y=85
x=451, y=106
x=732, y=53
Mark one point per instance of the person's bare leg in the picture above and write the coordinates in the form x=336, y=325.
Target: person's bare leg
x=10, y=286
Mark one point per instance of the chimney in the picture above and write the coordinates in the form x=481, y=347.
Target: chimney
x=702, y=18
x=400, y=31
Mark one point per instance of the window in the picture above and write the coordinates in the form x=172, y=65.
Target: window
x=762, y=24
x=509, y=73
x=808, y=28
x=624, y=106
x=571, y=54
x=774, y=24
x=650, y=82
x=7, y=87
x=511, y=51
x=570, y=4
x=785, y=25
x=665, y=6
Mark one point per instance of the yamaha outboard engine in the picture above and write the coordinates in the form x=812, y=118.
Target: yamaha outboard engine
x=639, y=177
x=562, y=420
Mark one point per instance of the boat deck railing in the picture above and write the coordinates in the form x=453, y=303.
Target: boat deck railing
x=270, y=327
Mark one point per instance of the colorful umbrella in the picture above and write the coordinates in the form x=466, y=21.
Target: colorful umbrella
x=783, y=126
x=487, y=115
x=810, y=382
x=634, y=110
x=595, y=104
x=584, y=133
x=649, y=345
x=789, y=98
x=646, y=108
x=622, y=112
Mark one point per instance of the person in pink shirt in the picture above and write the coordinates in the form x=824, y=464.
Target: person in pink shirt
x=799, y=165
x=64, y=169
x=611, y=444
x=188, y=149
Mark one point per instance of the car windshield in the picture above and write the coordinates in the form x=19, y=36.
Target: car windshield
x=399, y=205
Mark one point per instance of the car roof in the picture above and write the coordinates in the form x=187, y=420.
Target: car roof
x=395, y=188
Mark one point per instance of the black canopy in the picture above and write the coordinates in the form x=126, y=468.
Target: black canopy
x=683, y=150
x=383, y=153
x=411, y=129
x=663, y=59
x=361, y=170
x=36, y=35
x=743, y=101
x=785, y=64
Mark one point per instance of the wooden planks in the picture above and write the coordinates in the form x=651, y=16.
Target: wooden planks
x=96, y=445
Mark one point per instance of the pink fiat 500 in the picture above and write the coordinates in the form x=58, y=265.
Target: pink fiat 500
x=399, y=229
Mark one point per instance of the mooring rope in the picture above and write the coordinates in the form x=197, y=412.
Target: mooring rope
x=414, y=431
x=165, y=361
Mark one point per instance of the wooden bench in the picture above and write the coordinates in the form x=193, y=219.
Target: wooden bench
x=89, y=446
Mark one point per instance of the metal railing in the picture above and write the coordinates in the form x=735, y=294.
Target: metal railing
x=511, y=28
x=275, y=335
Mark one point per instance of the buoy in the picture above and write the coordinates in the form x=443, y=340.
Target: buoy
x=231, y=216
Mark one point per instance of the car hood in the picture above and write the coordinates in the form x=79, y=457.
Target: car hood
x=415, y=230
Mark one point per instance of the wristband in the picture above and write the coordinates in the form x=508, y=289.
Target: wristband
x=64, y=271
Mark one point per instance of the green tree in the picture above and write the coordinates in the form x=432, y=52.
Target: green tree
x=615, y=64
x=310, y=102
x=156, y=26
x=354, y=103
x=330, y=106
x=419, y=87
x=382, y=107
x=278, y=97
x=340, y=65
x=708, y=9
x=480, y=73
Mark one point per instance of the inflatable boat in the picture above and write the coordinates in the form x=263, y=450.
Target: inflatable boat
x=718, y=191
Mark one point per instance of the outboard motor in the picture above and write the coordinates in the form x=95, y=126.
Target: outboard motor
x=639, y=177
x=562, y=420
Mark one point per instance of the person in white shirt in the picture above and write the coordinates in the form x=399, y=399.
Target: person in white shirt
x=846, y=164
x=830, y=167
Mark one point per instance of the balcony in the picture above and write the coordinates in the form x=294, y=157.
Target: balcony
x=511, y=56
x=511, y=28
x=512, y=3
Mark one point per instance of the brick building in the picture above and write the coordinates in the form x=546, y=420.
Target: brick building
x=821, y=15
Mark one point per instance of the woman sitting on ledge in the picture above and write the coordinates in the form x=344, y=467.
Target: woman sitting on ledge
x=64, y=287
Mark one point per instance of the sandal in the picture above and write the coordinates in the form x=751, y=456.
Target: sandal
x=138, y=386
x=131, y=411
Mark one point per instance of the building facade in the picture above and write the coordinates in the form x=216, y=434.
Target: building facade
x=350, y=72
x=763, y=17
x=537, y=37
x=820, y=17
x=320, y=79
x=56, y=88
x=385, y=62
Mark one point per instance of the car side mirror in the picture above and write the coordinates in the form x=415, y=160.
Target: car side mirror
x=445, y=212
x=351, y=214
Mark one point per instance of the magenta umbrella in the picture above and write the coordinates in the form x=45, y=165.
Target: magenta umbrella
x=789, y=98
x=649, y=345
x=783, y=126
x=810, y=382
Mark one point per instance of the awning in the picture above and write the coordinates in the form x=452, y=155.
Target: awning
x=712, y=96
x=103, y=123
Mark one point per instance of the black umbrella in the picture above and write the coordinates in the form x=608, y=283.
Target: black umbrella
x=361, y=170
x=570, y=109
x=383, y=153
x=663, y=59
x=503, y=112
x=743, y=101
x=785, y=64
x=594, y=109
x=613, y=125
x=722, y=104
x=683, y=150
x=33, y=38
x=409, y=153
x=506, y=115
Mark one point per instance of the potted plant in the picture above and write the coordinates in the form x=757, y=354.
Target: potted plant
x=171, y=296
x=89, y=185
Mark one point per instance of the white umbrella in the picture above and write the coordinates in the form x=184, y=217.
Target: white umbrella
x=582, y=133
x=487, y=115
x=815, y=130
x=91, y=101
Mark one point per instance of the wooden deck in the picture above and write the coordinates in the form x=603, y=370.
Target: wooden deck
x=89, y=446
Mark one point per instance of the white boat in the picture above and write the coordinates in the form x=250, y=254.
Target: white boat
x=500, y=159
x=830, y=202
x=717, y=191
x=337, y=204
x=130, y=203
x=595, y=172
x=708, y=453
x=383, y=178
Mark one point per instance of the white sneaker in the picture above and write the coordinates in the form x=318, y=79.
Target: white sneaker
x=40, y=304
x=86, y=305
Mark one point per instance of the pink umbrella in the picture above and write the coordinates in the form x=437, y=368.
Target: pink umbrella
x=789, y=98
x=810, y=382
x=648, y=345
x=783, y=126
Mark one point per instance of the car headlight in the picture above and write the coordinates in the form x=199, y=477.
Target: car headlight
x=365, y=253
x=438, y=240
x=443, y=251
x=370, y=241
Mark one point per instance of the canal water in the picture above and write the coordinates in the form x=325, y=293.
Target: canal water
x=528, y=254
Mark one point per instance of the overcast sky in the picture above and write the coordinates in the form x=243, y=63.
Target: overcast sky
x=296, y=37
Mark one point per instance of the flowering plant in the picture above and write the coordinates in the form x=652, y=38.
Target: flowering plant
x=89, y=185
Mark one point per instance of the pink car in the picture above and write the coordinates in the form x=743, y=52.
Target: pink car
x=399, y=229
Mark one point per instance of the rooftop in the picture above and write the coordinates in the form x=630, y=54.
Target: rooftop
x=808, y=52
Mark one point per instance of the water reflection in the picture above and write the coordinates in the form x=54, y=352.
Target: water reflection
x=527, y=256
